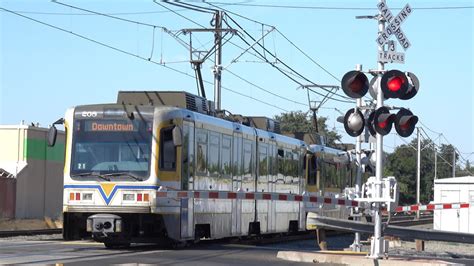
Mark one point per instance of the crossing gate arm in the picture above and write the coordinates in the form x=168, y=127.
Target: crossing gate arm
x=399, y=231
x=432, y=207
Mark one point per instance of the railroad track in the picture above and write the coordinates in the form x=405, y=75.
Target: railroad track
x=30, y=232
x=400, y=221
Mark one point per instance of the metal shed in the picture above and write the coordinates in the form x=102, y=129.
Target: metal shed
x=454, y=190
x=31, y=173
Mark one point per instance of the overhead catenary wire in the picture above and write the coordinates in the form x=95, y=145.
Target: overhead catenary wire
x=283, y=63
x=335, y=7
x=132, y=54
x=292, y=43
x=220, y=4
x=251, y=46
x=166, y=30
x=232, y=73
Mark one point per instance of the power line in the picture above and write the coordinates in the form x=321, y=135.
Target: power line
x=109, y=16
x=284, y=36
x=232, y=73
x=284, y=64
x=227, y=4
x=164, y=28
x=327, y=96
x=132, y=54
x=337, y=8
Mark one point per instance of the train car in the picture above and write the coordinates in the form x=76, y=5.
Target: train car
x=119, y=156
x=330, y=171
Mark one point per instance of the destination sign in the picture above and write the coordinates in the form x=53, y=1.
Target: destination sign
x=110, y=126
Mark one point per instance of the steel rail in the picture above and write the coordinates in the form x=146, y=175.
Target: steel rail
x=401, y=231
x=30, y=232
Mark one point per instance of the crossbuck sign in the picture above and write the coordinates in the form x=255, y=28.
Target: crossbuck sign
x=394, y=26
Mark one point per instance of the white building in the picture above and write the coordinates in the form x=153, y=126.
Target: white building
x=454, y=190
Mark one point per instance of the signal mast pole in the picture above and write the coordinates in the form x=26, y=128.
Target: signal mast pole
x=377, y=251
x=356, y=246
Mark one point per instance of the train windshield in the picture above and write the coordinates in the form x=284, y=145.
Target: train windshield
x=111, y=148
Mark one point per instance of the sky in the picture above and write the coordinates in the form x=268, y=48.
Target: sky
x=44, y=71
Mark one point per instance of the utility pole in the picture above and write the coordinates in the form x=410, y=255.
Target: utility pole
x=435, y=162
x=218, y=59
x=418, y=171
x=454, y=162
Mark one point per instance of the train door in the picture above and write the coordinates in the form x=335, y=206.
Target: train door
x=263, y=185
x=237, y=183
x=272, y=176
x=187, y=182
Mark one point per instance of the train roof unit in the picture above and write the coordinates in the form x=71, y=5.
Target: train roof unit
x=195, y=103
x=179, y=99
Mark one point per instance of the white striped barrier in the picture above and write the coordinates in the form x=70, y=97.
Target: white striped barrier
x=256, y=196
x=431, y=207
x=298, y=198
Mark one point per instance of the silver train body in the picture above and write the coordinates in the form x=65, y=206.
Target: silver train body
x=119, y=156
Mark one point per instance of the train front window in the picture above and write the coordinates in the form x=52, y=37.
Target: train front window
x=105, y=147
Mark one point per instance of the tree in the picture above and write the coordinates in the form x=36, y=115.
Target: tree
x=298, y=121
x=402, y=164
x=445, y=160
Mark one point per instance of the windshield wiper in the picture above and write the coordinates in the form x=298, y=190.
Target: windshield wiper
x=95, y=174
x=124, y=174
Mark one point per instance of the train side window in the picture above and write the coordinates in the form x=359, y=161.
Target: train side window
x=281, y=162
x=214, y=149
x=312, y=171
x=167, y=150
x=201, y=152
x=225, y=156
x=248, y=160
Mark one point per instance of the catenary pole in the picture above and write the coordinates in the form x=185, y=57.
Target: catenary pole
x=454, y=162
x=418, y=170
x=218, y=59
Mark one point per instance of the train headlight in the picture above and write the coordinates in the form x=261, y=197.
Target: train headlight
x=129, y=197
x=87, y=196
x=89, y=225
x=118, y=226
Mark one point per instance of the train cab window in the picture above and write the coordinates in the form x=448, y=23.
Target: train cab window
x=167, y=150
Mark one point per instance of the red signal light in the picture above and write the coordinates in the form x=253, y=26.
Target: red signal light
x=382, y=124
x=383, y=121
x=394, y=84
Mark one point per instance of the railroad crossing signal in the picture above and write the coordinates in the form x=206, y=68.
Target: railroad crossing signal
x=405, y=122
x=354, y=122
x=393, y=84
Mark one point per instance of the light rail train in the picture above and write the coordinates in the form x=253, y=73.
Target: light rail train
x=120, y=155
